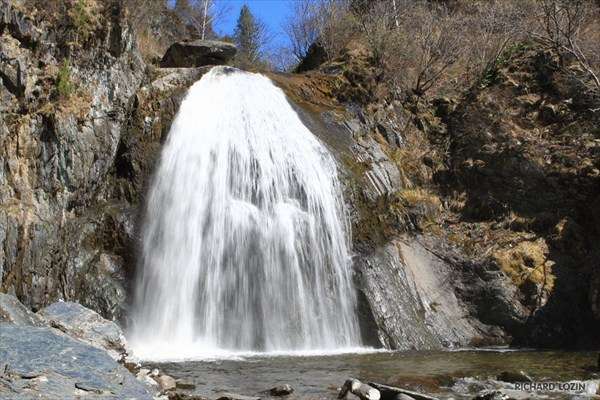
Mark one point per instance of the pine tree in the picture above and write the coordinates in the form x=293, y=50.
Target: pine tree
x=248, y=35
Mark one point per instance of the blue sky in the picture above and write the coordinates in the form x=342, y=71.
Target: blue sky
x=272, y=12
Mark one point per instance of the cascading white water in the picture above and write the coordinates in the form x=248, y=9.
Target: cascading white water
x=245, y=242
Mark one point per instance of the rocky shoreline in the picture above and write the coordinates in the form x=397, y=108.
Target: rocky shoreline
x=66, y=351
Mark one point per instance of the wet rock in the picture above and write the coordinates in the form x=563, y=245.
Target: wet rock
x=86, y=325
x=282, y=390
x=549, y=114
x=359, y=389
x=388, y=392
x=234, y=396
x=403, y=396
x=144, y=376
x=11, y=310
x=198, y=53
x=166, y=382
x=132, y=366
x=43, y=363
x=184, y=384
x=154, y=108
x=513, y=377
x=491, y=395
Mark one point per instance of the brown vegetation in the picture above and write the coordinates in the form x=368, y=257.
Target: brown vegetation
x=437, y=47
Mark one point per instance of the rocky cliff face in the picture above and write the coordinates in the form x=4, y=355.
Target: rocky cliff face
x=62, y=233
x=458, y=239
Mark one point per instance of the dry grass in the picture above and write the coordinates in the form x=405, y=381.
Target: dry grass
x=150, y=46
x=527, y=262
x=418, y=207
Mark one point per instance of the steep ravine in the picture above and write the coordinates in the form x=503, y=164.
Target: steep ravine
x=74, y=174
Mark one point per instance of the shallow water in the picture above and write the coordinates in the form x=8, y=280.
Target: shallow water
x=428, y=372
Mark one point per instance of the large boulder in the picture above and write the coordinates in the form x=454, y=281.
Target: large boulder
x=11, y=310
x=86, y=325
x=40, y=362
x=198, y=53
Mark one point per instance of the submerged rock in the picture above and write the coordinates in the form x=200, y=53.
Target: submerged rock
x=87, y=326
x=198, y=53
x=235, y=396
x=513, y=377
x=40, y=362
x=184, y=384
x=282, y=390
x=11, y=310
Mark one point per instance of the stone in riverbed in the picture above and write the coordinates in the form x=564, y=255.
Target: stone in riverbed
x=281, y=390
x=11, y=310
x=165, y=382
x=144, y=375
x=86, y=325
x=198, y=53
x=513, y=377
x=39, y=362
x=234, y=396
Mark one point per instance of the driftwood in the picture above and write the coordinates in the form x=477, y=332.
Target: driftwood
x=390, y=392
x=357, y=388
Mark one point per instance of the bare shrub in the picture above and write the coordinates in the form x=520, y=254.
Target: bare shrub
x=491, y=29
x=415, y=42
x=571, y=28
x=324, y=22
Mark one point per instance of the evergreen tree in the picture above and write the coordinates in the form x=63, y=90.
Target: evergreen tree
x=249, y=33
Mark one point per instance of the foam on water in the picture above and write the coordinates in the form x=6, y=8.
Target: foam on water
x=245, y=238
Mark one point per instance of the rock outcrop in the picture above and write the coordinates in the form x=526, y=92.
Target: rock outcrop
x=449, y=301
x=198, y=53
x=39, y=362
x=12, y=311
x=65, y=351
x=62, y=232
x=86, y=325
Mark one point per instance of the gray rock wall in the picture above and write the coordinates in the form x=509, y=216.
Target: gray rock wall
x=424, y=295
x=57, y=219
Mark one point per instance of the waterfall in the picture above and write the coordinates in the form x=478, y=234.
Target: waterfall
x=245, y=237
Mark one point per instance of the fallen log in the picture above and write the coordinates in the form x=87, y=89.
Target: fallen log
x=390, y=392
x=357, y=388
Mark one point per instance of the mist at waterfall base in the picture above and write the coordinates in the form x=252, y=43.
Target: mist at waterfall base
x=245, y=238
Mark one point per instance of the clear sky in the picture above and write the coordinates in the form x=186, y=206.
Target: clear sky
x=272, y=12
